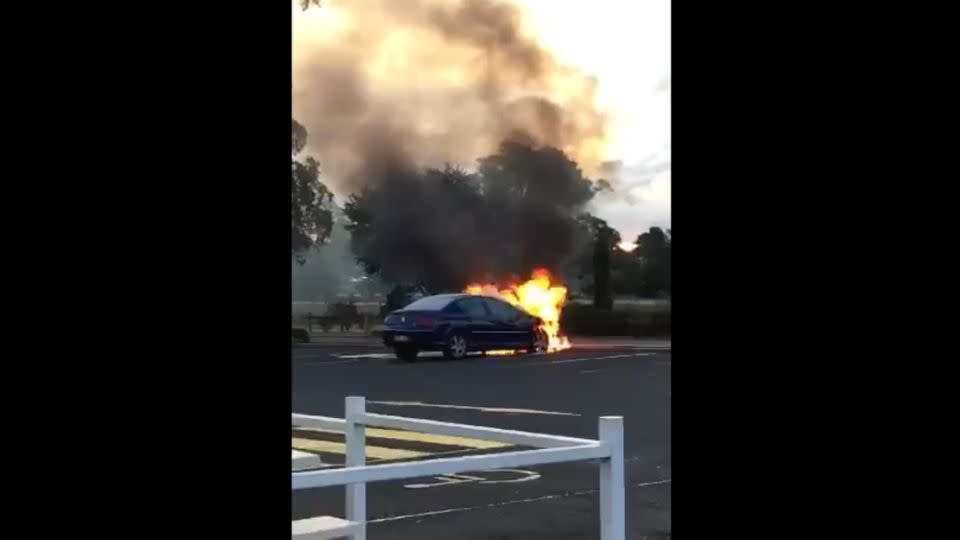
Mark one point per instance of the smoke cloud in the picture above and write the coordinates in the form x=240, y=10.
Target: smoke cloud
x=389, y=88
x=429, y=82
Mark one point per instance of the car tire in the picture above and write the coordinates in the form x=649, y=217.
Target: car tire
x=455, y=347
x=540, y=342
x=406, y=353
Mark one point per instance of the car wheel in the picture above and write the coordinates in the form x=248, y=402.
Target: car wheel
x=540, y=341
x=406, y=353
x=456, y=347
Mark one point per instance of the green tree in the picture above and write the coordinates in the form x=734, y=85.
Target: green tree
x=602, y=293
x=520, y=172
x=360, y=215
x=653, y=255
x=310, y=200
x=442, y=228
x=395, y=229
x=589, y=227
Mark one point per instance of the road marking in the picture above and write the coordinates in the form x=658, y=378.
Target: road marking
x=420, y=437
x=308, y=363
x=435, y=354
x=375, y=452
x=502, y=410
x=446, y=480
x=302, y=461
x=505, y=503
x=452, y=479
x=388, y=355
x=654, y=483
x=573, y=360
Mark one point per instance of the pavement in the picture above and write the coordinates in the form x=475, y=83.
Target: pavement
x=364, y=339
x=560, y=393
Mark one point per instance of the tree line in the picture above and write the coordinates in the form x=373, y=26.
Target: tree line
x=522, y=208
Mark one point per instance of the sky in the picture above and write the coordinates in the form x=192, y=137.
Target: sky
x=625, y=44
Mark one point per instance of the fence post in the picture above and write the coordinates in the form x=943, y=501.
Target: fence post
x=355, y=407
x=612, y=526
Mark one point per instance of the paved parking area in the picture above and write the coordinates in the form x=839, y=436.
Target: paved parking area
x=562, y=393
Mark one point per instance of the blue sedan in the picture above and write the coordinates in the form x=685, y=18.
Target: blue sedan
x=459, y=323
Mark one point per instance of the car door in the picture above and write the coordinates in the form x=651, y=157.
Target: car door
x=512, y=326
x=479, y=325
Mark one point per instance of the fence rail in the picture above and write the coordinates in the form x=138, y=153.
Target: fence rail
x=608, y=449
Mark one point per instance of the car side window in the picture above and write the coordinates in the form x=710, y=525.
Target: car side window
x=473, y=307
x=502, y=311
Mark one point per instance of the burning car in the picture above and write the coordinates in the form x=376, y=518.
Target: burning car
x=482, y=318
x=459, y=323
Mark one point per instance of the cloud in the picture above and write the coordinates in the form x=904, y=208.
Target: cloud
x=648, y=206
x=641, y=195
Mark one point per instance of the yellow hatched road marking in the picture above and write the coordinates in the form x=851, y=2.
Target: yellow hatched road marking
x=375, y=452
x=421, y=437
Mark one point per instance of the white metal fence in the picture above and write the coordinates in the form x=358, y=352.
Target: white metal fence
x=548, y=449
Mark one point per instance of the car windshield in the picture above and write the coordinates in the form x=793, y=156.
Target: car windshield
x=430, y=303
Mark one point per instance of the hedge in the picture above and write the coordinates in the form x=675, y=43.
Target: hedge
x=590, y=321
x=300, y=335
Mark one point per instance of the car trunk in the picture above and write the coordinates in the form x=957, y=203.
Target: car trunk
x=413, y=320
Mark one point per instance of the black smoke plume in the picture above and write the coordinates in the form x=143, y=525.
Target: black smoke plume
x=392, y=90
x=444, y=228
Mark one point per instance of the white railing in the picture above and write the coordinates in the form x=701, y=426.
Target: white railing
x=548, y=449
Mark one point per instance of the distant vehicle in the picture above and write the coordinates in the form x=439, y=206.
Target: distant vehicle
x=460, y=323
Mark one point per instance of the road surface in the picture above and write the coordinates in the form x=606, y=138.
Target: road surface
x=561, y=393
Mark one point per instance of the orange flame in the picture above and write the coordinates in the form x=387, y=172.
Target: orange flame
x=537, y=297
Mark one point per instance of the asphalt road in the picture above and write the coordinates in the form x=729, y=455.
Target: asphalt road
x=561, y=393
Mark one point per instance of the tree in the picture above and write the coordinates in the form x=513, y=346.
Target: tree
x=304, y=4
x=412, y=229
x=602, y=294
x=443, y=228
x=359, y=212
x=581, y=263
x=520, y=172
x=653, y=254
x=310, y=200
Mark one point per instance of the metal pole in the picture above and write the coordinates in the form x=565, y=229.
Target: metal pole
x=612, y=525
x=355, y=407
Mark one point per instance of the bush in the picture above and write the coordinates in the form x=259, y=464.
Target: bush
x=587, y=320
x=300, y=335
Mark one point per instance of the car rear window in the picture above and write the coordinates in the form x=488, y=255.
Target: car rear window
x=430, y=303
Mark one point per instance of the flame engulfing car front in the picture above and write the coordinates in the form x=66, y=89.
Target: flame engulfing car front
x=461, y=323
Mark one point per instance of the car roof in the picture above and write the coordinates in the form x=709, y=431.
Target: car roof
x=436, y=301
x=440, y=301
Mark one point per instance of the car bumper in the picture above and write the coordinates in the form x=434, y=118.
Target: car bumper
x=422, y=339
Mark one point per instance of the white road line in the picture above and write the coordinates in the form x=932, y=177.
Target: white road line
x=302, y=461
x=388, y=355
x=502, y=410
x=573, y=360
x=505, y=503
x=335, y=362
x=654, y=483
x=365, y=355
x=519, y=362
